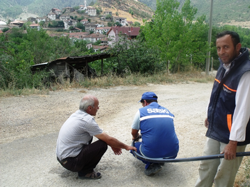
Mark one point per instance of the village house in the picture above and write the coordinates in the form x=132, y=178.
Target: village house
x=35, y=26
x=89, y=46
x=90, y=27
x=93, y=37
x=56, y=11
x=91, y=11
x=99, y=48
x=104, y=41
x=45, y=19
x=81, y=7
x=2, y=25
x=31, y=19
x=122, y=21
x=103, y=18
x=99, y=25
x=116, y=33
x=107, y=13
x=16, y=23
x=52, y=16
x=64, y=17
x=69, y=23
x=84, y=21
x=102, y=30
x=96, y=47
x=77, y=35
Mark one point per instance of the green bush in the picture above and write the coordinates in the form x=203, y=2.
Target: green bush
x=19, y=51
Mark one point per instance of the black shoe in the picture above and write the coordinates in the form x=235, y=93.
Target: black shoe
x=152, y=169
x=93, y=175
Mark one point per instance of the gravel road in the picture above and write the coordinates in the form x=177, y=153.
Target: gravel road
x=29, y=126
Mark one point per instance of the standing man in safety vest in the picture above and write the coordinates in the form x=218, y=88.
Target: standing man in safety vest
x=228, y=113
x=156, y=124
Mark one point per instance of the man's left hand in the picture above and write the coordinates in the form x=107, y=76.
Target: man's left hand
x=230, y=150
x=117, y=151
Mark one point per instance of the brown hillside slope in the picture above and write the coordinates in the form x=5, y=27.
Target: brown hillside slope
x=122, y=7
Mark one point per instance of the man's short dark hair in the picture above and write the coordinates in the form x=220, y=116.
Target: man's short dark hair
x=235, y=36
x=148, y=100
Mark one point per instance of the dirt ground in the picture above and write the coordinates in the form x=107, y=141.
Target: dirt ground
x=29, y=126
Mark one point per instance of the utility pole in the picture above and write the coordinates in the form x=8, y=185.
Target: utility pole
x=209, y=39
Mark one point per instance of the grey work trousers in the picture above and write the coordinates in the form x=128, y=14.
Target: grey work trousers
x=221, y=172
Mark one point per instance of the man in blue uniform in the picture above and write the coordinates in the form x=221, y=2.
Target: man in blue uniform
x=156, y=124
x=228, y=113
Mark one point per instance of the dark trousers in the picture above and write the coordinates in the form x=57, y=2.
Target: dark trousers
x=87, y=159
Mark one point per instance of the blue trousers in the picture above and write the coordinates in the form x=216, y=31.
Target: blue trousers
x=137, y=145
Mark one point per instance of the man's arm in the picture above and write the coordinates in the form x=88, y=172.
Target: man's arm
x=136, y=126
x=115, y=144
x=135, y=134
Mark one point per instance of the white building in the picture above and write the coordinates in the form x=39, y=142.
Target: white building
x=68, y=23
x=91, y=11
x=39, y=19
x=102, y=30
x=52, y=16
x=2, y=23
x=122, y=21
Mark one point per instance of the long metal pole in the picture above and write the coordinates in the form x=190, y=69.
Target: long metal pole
x=209, y=39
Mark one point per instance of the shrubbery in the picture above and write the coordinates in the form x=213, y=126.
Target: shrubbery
x=19, y=51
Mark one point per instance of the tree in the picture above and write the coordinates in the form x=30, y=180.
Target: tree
x=110, y=24
x=80, y=26
x=5, y=29
x=132, y=56
x=174, y=34
x=118, y=24
x=19, y=51
x=108, y=16
x=41, y=23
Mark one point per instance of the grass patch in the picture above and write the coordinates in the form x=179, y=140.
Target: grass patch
x=114, y=80
x=25, y=91
x=243, y=175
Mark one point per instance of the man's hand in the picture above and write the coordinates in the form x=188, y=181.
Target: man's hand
x=131, y=148
x=117, y=151
x=206, y=123
x=230, y=150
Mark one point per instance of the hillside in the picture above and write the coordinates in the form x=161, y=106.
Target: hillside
x=224, y=11
x=11, y=9
x=124, y=8
x=130, y=9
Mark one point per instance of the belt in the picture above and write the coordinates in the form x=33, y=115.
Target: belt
x=63, y=161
